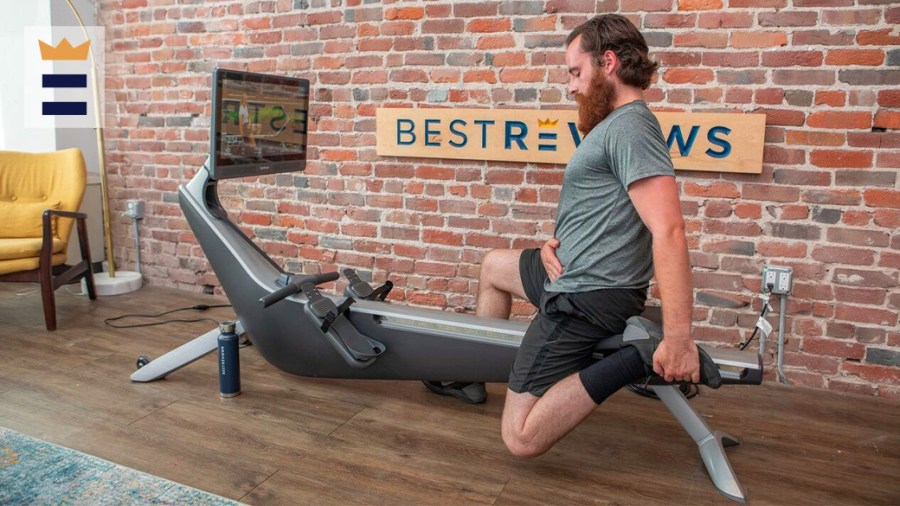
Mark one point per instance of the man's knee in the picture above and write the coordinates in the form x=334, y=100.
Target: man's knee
x=522, y=446
x=500, y=270
x=491, y=265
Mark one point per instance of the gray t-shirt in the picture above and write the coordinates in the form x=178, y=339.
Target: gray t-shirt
x=603, y=242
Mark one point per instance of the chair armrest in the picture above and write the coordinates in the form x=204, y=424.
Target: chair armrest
x=47, y=242
x=64, y=214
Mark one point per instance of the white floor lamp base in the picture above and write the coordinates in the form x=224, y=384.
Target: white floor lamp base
x=124, y=282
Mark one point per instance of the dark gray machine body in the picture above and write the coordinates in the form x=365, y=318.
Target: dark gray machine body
x=291, y=341
x=413, y=343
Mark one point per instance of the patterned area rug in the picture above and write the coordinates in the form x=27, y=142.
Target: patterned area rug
x=37, y=472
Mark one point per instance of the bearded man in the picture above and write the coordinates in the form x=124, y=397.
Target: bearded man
x=618, y=220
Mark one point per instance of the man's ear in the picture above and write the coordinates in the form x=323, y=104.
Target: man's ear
x=610, y=63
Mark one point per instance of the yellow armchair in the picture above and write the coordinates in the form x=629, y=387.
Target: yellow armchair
x=40, y=194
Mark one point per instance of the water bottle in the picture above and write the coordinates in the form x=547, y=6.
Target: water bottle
x=229, y=361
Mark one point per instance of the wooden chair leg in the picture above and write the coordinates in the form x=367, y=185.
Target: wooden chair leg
x=86, y=256
x=46, y=278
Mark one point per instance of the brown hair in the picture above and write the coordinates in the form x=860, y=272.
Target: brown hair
x=612, y=32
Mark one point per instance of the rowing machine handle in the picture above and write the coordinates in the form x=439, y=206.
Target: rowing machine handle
x=294, y=286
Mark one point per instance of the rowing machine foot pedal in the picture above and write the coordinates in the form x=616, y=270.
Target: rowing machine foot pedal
x=361, y=290
x=356, y=349
x=357, y=287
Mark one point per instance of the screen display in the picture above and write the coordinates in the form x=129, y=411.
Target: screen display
x=258, y=125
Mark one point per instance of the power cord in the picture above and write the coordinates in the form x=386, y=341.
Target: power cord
x=765, y=308
x=198, y=307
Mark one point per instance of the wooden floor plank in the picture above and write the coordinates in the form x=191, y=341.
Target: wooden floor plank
x=292, y=440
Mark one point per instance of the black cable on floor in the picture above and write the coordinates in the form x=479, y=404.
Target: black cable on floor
x=198, y=307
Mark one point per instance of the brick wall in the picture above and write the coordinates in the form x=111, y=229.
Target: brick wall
x=827, y=203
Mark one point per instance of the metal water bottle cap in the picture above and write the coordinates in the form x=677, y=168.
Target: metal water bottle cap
x=227, y=327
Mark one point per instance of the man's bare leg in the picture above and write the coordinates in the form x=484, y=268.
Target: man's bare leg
x=498, y=281
x=531, y=425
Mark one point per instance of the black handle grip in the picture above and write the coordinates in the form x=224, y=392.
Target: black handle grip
x=294, y=286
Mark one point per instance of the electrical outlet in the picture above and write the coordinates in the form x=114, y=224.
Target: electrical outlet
x=134, y=209
x=777, y=280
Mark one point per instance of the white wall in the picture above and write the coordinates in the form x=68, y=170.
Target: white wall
x=13, y=134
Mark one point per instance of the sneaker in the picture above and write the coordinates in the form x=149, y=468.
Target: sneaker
x=470, y=393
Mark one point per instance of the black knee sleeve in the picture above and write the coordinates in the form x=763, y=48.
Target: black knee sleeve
x=607, y=376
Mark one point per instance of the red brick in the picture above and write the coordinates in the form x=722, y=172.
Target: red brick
x=815, y=363
x=699, y=5
x=852, y=16
x=889, y=98
x=852, y=387
x=748, y=211
x=854, y=57
x=815, y=138
x=839, y=255
x=670, y=20
x=857, y=237
x=873, y=296
x=887, y=119
x=779, y=249
x=839, y=119
x=475, y=9
x=822, y=3
x=887, y=219
x=833, y=348
x=522, y=75
x=738, y=96
x=788, y=18
x=823, y=38
x=758, y=39
x=726, y=20
x=737, y=59
x=785, y=117
x=882, y=198
x=718, y=209
x=841, y=158
x=863, y=314
x=404, y=13
x=832, y=98
x=773, y=193
x=542, y=24
x=872, y=372
x=778, y=155
x=701, y=39
x=856, y=218
x=770, y=96
x=475, y=76
x=488, y=25
x=638, y=5
x=726, y=190
x=803, y=77
x=884, y=37
x=756, y=4
x=688, y=75
x=794, y=212
x=792, y=58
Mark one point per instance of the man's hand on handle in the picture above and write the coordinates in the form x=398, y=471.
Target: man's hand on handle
x=549, y=259
x=677, y=360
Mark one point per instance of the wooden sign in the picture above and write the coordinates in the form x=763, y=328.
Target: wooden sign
x=697, y=141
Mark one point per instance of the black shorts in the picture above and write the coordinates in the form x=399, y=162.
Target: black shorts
x=561, y=338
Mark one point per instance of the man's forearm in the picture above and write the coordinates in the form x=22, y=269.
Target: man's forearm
x=673, y=275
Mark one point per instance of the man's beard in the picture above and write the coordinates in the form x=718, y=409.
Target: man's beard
x=597, y=104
